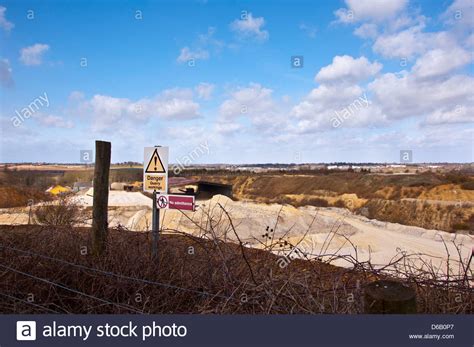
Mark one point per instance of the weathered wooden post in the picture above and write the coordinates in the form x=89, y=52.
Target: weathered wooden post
x=101, y=196
x=386, y=296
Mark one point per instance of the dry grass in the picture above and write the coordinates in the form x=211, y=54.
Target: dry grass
x=53, y=267
x=60, y=212
x=18, y=197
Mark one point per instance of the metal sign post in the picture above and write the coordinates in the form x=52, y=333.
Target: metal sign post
x=155, y=227
x=155, y=179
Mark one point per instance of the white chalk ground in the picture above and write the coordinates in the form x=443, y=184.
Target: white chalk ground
x=317, y=231
x=116, y=198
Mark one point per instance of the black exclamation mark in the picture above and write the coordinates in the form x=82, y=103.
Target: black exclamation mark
x=155, y=161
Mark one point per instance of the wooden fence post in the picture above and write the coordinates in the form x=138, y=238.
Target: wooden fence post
x=386, y=296
x=101, y=196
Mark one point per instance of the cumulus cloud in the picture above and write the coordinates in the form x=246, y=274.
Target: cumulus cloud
x=366, y=31
x=411, y=42
x=403, y=95
x=187, y=55
x=347, y=69
x=460, y=13
x=379, y=10
x=208, y=39
x=249, y=27
x=440, y=62
x=204, y=90
x=429, y=90
x=203, y=46
x=53, y=121
x=33, y=55
x=254, y=103
x=458, y=114
x=176, y=104
x=6, y=78
x=4, y=23
x=329, y=106
x=171, y=104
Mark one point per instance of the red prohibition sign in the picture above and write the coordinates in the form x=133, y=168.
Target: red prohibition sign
x=162, y=202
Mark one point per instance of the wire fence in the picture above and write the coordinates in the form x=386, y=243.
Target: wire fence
x=112, y=274
x=216, y=280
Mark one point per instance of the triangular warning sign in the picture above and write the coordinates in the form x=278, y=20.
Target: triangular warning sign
x=155, y=165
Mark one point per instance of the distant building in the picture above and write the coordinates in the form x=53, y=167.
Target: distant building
x=201, y=189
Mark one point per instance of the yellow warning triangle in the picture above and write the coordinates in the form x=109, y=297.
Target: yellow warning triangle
x=155, y=165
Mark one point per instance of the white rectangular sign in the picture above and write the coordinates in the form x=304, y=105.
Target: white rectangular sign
x=155, y=169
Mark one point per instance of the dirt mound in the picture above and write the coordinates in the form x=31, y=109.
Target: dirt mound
x=18, y=197
x=386, y=196
x=425, y=214
x=448, y=192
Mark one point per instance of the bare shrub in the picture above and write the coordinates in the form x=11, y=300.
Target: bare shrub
x=318, y=202
x=339, y=203
x=61, y=212
x=213, y=271
x=468, y=185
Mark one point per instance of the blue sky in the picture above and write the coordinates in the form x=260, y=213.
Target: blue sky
x=377, y=77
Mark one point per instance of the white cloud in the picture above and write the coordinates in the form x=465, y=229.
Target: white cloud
x=187, y=55
x=403, y=95
x=339, y=100
x=309, y=30
x=76, y=96
x=6, y=78
x=404, y=44
x=366, y=31
x=338, y=93
x=33, y=55
x=247, y=100
x=203, y=46
x=460, y=13
x=404, y=21
x=208, y=39
x=176, y=104
x=440, y=62
x=334, y=96
x=379, y=10
x=412, y=42
x=52, y=121
x=470, y=41
x=347, y=69
x=250, y=27
x=4, y=23
x=254, y=103
x=458, y=114
x=108, y=111
x=226, y=127
x=204, y=90
x=326, y=104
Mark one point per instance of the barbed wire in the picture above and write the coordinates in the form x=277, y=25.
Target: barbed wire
x=69, y=289
x=113, y=274
x=28, y=302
